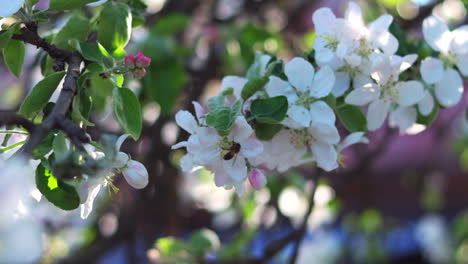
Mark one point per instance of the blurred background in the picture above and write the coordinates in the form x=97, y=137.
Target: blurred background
x=403, y=199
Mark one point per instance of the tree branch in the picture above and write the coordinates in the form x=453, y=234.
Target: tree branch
x=29, y=35
x=9, y=118
x=57, y=119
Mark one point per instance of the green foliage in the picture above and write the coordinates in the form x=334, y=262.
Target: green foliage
x=223, y=118
x=352, y=117
x=14, y=54
x=253, y=85
x=267, y=131
x=77, y=28
x=5, y=35
x=127, y=111
x=203, y=241
x=271, y=110
x=60, y=5
x=40, y=94
x=56, y=191
x=93, y=51
x=114, y=26
x=171, y=24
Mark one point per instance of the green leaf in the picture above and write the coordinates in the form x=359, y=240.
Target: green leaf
x=170, y=24
x=266, y=131
x=170, y=246
x=40, y=94
x=429, y=119
x=223, y=118
x=216, y=102
x=5, y=35
x=253, y=85
x=270, y=110
x=60, y=146
x=44, y=148
x=93, y=51
x=59, y=193
x=127, y=111
x=114, y=26
x=60, y=5
x=203, y=241
x=81, y=108
x=352, y=117
x=14, y=54
x=31, y=2
x=77, y=28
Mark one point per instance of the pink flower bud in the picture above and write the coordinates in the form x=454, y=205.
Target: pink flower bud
x=140, y=73
x=130, y=61
x=142, y=61
x=136, y=174
x=257, y=179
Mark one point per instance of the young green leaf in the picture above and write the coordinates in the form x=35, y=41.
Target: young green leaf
x=352, y=117
x=77, y=28
x=114, y=26
x=127, y=111
x=93, y=51
x=270, y=110
x=252, y=86
x=14, y=54
x=222, y=118
x=57, y=192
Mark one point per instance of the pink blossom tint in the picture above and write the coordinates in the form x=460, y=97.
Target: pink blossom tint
x=140, y=73
x=142, y=61
x=130, y=61
x=257, y=179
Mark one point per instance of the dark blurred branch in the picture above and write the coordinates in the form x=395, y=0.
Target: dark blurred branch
x=9, y=118
x=29, y=35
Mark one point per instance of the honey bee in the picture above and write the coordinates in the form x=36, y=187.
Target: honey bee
x=235, y=148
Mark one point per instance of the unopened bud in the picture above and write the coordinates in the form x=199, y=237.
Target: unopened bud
x=130, y=61
x=257, y=179
x=140, y=73
x=142, y=61
x=136, y=174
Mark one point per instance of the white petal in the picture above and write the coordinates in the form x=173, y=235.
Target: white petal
x=410, y=92
x=257, y=179
x=462, y=64
x=343, y=49
x=403, y=117
x=450, y=89
x=277, y=87
x=121, y=160
x=323, y=82
x=136, y=174
x=387, y=43
x=354, y=15
x=426, y=105
x=325, y=133
x=324, y=55
x=353, y=138
x=322, y=112
x=325, y=155
x=342, y=81
x=186, y=121
x=353, y=60
x=241, y=130
x=360, y=80
x=364, y=95
x=120, y=141
x=381, y=24
x=323, y=20
x=221, y=178
x=10, y=7
x=432, y=70
x=437, y=34
x=407, y=61
x=300, y=73
x=87, y=207
x=199, y=111
x=235, y=82
x=186, y=163
x=376, y=114
x=251, y=148
x=459, y=43
x=300, y=115
x=235, y=168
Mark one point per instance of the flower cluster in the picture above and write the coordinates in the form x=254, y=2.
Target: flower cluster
x=137, y=64
x=111, y=163
x=284, y=114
